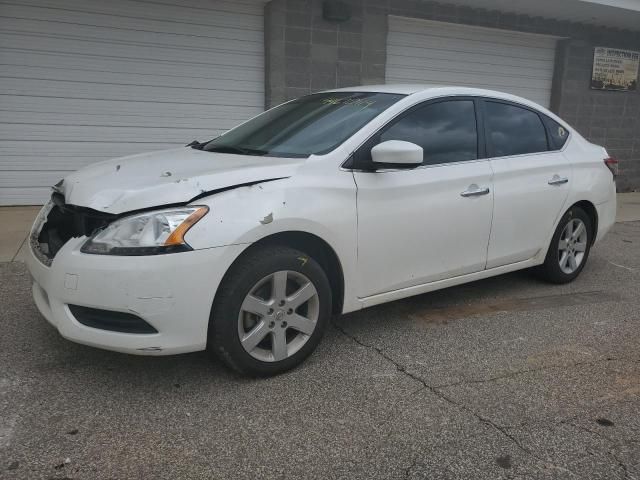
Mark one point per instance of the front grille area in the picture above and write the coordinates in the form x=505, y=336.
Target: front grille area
x=110, y=320
x=63, y=223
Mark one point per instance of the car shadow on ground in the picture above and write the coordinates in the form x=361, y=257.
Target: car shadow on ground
x=438, y=307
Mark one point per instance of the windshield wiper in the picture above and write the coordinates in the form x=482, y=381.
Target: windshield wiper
x=238, y=150
x=196, y=144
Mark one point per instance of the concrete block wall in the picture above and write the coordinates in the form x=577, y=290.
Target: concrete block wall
x=305, y=53
x=606, y=118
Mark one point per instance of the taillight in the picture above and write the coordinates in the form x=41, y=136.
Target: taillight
x=612, y=164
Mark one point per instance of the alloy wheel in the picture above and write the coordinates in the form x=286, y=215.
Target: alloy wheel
x=278, y=316
x=572, y=245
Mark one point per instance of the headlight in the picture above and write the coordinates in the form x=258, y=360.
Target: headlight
x=150, y=233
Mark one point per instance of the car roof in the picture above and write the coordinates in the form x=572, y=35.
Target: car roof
x=443, y=91
x=436, y=90
x=401, y=88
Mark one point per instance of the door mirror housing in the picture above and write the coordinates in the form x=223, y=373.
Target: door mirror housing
x=397, y=153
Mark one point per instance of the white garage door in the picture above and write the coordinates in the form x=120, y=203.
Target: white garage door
x=87, y=80
x=437, y=53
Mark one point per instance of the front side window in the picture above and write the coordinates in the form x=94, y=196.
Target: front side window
x=514, y=130
x=445, y=130
x=314, y=124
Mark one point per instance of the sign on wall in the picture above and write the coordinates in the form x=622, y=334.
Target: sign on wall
x=615, y=69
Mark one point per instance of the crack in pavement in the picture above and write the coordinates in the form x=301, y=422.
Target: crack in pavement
x=407, y=471
x=598, y=434
x=486, y=421
x=532, y=370
x=613, y=443
x=621, y=464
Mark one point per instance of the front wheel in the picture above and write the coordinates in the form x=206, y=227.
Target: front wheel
x=569, y=249
x=270, y=312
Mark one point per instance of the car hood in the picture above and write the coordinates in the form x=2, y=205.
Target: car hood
x=166, y=177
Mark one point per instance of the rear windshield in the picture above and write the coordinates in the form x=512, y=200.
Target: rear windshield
x=314, y=124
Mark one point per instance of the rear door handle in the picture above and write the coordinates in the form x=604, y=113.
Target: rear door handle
x=558, y=180
x=474, y=191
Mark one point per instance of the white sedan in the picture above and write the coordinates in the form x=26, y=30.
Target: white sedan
x=247, y=244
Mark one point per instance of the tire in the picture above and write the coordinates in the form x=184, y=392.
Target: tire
x=557, y=268
x=250, y=307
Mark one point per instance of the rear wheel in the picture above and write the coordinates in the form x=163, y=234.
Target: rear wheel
x=270, y=312
x=569, y=249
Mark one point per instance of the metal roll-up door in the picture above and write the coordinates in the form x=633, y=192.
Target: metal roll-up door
x=438, y=53
x=87, y=80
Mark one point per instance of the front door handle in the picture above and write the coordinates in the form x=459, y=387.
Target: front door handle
x=474, y=191
x=558, y=180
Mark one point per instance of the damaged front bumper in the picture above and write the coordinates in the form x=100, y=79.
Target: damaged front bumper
x=172, y=293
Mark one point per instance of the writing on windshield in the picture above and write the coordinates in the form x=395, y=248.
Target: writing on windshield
x=315, y=124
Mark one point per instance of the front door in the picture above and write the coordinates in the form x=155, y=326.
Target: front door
x=431, y=222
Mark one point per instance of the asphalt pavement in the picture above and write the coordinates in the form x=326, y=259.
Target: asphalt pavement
x=508, y=377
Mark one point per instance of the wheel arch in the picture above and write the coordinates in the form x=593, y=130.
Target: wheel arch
x=315, y=247
x=590, y=209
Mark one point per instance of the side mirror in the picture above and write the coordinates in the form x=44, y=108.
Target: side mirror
x=397, y=152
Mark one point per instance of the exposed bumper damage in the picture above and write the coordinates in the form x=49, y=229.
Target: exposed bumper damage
x=158, y=290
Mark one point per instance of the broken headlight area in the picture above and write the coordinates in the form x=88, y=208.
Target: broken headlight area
x=58, y=222
x=148, y=233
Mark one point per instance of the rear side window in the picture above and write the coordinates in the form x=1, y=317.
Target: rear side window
x=513, y=130
x=446, y=131
x=557, y=133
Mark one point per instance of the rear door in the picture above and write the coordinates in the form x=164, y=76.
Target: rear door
x=531, y=179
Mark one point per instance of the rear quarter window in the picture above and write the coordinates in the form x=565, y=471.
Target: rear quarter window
x=558, y=134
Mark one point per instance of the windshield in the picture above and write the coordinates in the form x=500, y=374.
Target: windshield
x=314, y=124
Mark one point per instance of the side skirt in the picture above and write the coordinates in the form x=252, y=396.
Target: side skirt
x=449, y=282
